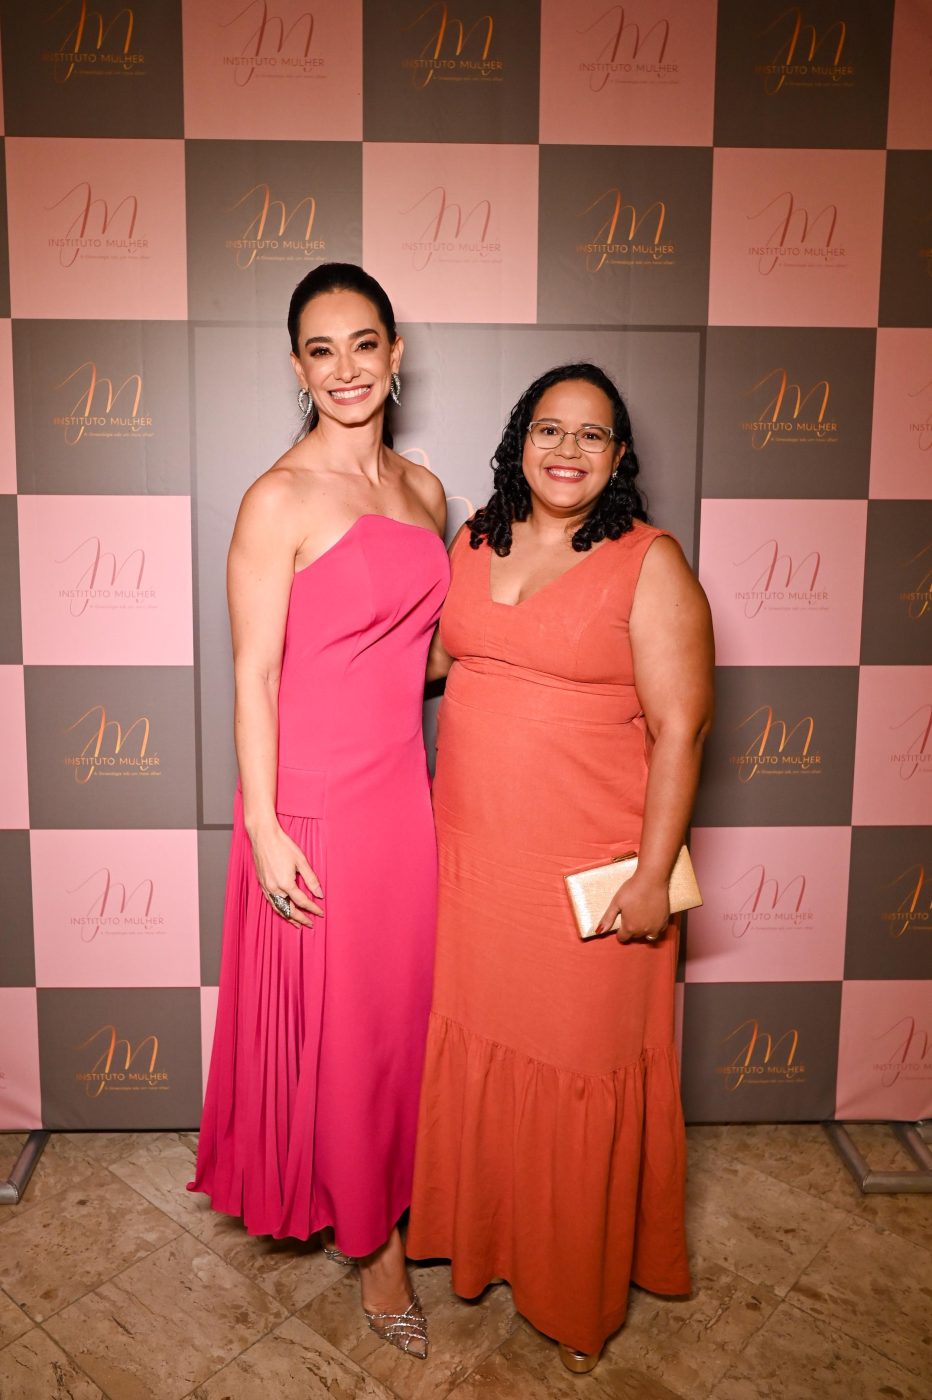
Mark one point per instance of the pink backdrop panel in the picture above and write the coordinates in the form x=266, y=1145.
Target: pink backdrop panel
x=97, y=228
x=14, y=792
x=893, y=752
x=885, y=1050
x=20, y=1094
x=115, y=908
x=785, y=581
x=775, y=904
x=910, y=121
x=901, y=438
x=453, y=230
x=281, y=73
x=106, y=580
x=209, y=996
x=796, y=237
x=7, y=435
x=633, y=75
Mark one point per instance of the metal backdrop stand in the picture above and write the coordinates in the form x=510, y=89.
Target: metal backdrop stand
x=11, y=1190
x=911, y=1135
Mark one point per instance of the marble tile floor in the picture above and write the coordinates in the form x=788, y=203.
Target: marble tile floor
x=116, y=1284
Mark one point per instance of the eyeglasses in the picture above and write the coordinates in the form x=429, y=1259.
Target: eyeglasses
x=591, y=437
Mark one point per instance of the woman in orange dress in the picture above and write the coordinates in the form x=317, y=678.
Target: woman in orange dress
x=578, y=644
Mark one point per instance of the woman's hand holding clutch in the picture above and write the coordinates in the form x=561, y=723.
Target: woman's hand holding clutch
x=644, y=906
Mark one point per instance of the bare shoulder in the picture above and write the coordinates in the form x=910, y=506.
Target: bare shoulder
x=666, y=579
x=427, y=487
x=272, y=497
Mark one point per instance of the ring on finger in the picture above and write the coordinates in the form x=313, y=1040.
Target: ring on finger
x=282, y=904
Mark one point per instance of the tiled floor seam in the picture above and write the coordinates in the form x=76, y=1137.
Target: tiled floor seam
x=75, y=1362
x=861, y=1338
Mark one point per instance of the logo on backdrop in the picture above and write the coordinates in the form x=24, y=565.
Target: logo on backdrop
x=779, y=583
x=628, y=55
x=111, y=750
x=121, y=1066
x=762, y=1057
x=915, y=907
x=768, y=906
x=905, y=1052
x=626, y=236
x=452, y=52
x=99, y=229
x=788, y=413
x=273, y=45
x=804, y=57
x=922, y=427
x=452, y=233
x=276, y=231
x=918, y=598
x=793, y=237
x=114, y=908
x=913, y=754
x=777, y=749
x=102, y=409
x=98, y=41
x=106, y=581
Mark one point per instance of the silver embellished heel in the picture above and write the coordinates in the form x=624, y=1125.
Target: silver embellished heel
x=337, y=1256
x=407, y=1331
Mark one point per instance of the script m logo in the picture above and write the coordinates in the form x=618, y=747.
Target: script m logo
x=793, y=228
x=103, y=570
x=910, y=1051
x=84, y=226
x=107, y=730
x=778, y=574
x=90, y=25
x=88, y=405
x=765, y=893
x=117, y=1057
x=272, y=220
x=112, y=896
x=801, y=42
x=270, y=32
x=773, y=739
x=912, y=905
x=787, y=396
x=447, y=221
x=454, y=29
x=620, y=217
x=760, y=1051
x=616, y=17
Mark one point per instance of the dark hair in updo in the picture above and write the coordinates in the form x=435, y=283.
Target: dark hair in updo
x=612, y=513
x=339, y=277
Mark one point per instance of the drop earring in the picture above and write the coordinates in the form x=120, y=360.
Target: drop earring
x=305, y=402
x=396, y=388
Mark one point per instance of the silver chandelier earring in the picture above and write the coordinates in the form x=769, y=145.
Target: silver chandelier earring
x=305, y=402
x=396, y=388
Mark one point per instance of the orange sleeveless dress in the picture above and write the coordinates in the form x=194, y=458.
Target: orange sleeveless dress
x=551, y=1148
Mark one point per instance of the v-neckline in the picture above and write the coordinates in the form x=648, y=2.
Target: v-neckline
x=587, y=558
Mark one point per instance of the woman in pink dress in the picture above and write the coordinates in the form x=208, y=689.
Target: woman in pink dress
x=336, y=575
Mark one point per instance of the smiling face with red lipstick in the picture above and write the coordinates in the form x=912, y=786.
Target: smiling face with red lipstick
x=570, y=449
x=345, y=356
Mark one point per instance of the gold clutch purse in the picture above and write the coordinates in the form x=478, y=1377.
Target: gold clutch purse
x=591, y=891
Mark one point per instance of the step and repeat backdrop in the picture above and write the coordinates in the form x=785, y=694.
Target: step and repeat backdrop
x=728, y=207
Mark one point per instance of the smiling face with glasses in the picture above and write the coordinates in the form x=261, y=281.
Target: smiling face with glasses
x=570, y=449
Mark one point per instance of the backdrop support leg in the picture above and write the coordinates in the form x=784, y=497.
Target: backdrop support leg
x=11, y=1190
x=917, y=1181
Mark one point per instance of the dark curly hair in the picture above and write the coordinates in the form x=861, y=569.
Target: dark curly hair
x=613, y=512
x=339, y=277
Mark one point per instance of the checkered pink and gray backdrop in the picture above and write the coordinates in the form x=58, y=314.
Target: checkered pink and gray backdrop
x=726, y=205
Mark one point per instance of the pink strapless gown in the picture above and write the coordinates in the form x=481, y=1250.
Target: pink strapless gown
x=312, y=1096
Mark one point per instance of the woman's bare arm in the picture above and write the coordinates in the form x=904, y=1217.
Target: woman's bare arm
x=672, y=646
x=260, y=571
